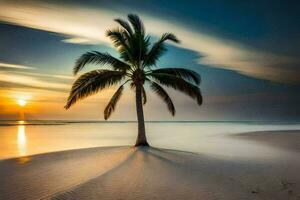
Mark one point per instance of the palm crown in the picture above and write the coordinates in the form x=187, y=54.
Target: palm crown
x=137, y=66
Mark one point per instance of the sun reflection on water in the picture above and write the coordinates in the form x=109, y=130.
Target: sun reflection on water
x=21, y=140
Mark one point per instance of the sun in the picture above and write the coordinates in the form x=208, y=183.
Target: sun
x=22, y=102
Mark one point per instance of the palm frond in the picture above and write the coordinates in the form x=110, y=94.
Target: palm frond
x=164, y=96
x=180, y=84
x=125, y=25
x=91, y=83
x=118, y=36
x=186, y=74
x=120, y=39
x=137, y=24
x=95, y=57
x=144, y=96
x=158, y=49
x=113, y=102
x=139, y=47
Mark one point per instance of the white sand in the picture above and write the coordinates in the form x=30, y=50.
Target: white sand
x=150, y=173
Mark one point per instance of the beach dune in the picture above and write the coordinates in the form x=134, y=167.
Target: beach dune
x=110, y=173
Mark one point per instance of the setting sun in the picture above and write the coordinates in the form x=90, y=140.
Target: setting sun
x=22, y=102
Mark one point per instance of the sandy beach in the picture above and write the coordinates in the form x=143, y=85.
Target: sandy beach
x=288, y=140
x=154, y=173
x=149, y=100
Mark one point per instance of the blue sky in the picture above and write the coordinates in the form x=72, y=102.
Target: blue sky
x=246, y=52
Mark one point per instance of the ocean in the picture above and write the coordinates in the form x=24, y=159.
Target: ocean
x=25, y=138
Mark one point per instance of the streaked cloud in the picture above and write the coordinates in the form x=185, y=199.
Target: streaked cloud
x=46, y=75
x=14, y=66
x=225, y=54
x=74, y=22
x=78, y=40
x=30, y=81
x=24, y=78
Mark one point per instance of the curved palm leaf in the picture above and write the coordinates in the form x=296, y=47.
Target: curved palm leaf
x=158, y=49
x=113, y=102
x=95, y=57
x=91, y=83
x=137, y=24
x=131, y=43
x=179, y=84
x=186, y=74
x=125, y=25
x=121, y=41
x=164, y=96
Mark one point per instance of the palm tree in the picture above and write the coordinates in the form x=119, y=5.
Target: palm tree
x=137, y=66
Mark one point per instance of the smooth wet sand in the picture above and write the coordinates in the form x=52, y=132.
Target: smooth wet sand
x=151, y=173
x=289, y=140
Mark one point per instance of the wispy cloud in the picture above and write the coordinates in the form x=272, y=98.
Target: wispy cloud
x=230, y=55
x=88, y=25
x=23, y=77
x=30, y=81
x=45, y=75
x=14, y=66
x=76, y=23
x=78, y=40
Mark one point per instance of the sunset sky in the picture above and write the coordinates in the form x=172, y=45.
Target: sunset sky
x=247, y=54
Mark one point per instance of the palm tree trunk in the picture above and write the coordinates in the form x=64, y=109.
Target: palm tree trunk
x=141, y=138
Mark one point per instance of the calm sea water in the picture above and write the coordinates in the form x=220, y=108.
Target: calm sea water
x=23, y=138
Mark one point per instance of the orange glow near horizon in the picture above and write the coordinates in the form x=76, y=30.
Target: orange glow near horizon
x=22, y=103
